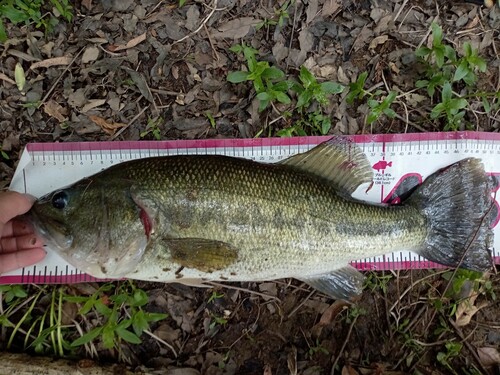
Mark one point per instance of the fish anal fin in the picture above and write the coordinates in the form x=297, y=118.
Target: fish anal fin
x=202, y=254
x=343, y=283
x=338, y=160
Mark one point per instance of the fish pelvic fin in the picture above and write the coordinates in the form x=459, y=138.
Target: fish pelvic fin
x=344, y=283
x=338, y=160
x=456, y=203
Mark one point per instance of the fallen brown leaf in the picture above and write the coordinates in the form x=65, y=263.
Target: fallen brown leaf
x=63, y=60
x=108, y=127
x=489, y=356
x=55, y=110
x=7, y=79
x=130, y=44
x=348, y=370
x=87, y=4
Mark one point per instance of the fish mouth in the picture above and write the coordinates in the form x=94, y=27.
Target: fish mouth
x=54, y=233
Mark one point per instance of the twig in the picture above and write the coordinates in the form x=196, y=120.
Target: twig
x=468, y=345
x=160, y=340
x=301, y=304
x=59, y=78
x=129, y=123
x=332, y=371
x=214, y=8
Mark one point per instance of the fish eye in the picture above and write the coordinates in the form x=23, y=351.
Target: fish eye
x=60, y=200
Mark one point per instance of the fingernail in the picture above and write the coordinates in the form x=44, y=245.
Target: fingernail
x=33, y=241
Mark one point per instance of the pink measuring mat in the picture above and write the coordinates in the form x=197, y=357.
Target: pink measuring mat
x=399, y=161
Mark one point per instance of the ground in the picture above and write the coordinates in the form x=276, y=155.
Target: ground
x=147, y=69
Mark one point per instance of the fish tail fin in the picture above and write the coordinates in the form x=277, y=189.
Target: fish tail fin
x=389, y=164
x=456, y=203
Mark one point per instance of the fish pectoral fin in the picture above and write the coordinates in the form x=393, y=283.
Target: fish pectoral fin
x=339, y=161
x=343, y=283
x=202, y=254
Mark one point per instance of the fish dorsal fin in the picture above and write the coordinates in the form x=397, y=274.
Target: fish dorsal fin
x=339, y=160
x=343, y=283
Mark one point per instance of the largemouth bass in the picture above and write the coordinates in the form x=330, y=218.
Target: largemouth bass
x=192, y=218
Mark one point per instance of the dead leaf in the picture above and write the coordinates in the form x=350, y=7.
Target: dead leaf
x=141, y=83
x=7, y=79
x=90, y=54
x=87, y=4
x=378, y=40
x=330, y=7
x=311, y=11
x=291, y=360
x=55, y=110
x=108, y=127
x=489, y=356
x=63, y=60
x=237, y=28
x=331, y=312
x=93, y=103
x=268, y=370
x=130, y=44
x=362, y=38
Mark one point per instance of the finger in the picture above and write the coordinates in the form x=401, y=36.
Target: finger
x=14, y=204
x=20, y=259
x=17, y=228
x=10, y=244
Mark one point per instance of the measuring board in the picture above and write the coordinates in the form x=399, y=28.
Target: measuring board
x=399, y=162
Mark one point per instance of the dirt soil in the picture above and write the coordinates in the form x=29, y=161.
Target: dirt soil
x=146, y=69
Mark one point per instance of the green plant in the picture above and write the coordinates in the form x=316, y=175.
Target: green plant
x=117, y=309
x=115, y=327
x=267, y=80
x=153, y=128
x=379, y=102
x=310, y=89
x=377, y=281
x=32, y=11
x=444, y=72
x=452, y=350
x=4, y=154
x=317, y=348
x=215, y=296
x=281, y=14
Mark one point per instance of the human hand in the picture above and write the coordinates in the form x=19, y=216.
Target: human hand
x=19, y=246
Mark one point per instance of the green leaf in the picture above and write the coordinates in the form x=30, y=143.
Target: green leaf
x=19, y=77
x=282, y=97
x=3, y=33
x=468, y=49
x=325, y=126
x=486, y=104
x=372, y=117
x=14, y=15
x=437, y=110
x=457, y=104
x=439, y=54
x=88, y=337
x=108, y=337
x=237, y=77
x=389, y=112
x=450, y=53
x=272, y=73
x=332, y=87
x=128, y=336
x=306, y=77
x=422, y=51
x=283, y=86
x=140, y=297
x=437, y=34
x=461, y=71
x=304, y=99
x=446, y=93
x=155, y=317
x=181, y=3
x=264, y=96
